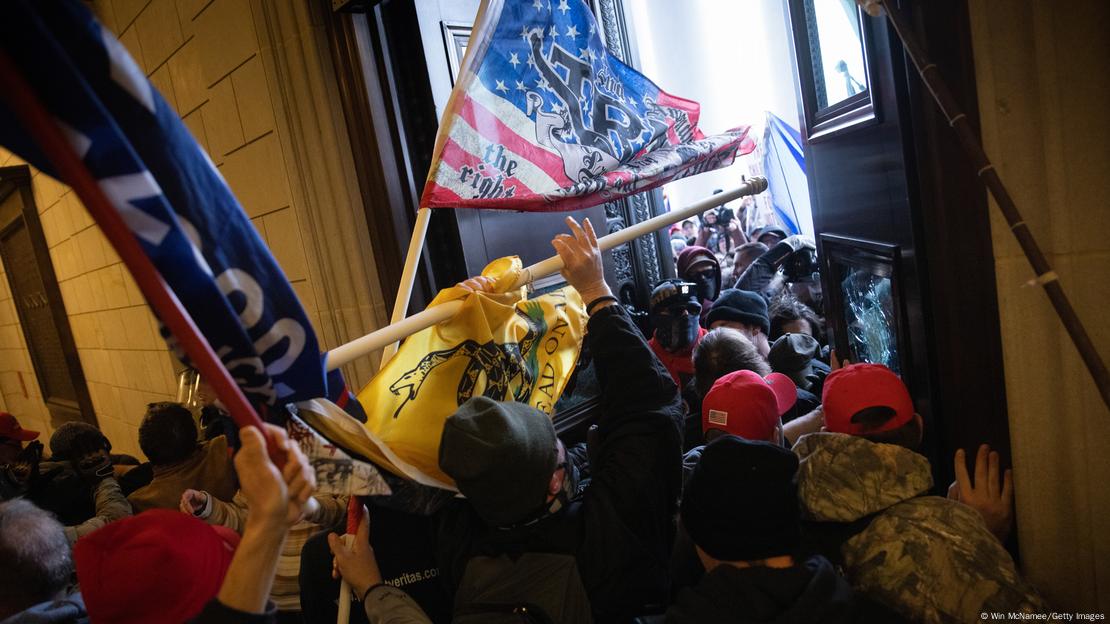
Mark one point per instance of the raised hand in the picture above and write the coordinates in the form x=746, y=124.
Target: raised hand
x=273, y=496
x=582, y=266
x=992, y=497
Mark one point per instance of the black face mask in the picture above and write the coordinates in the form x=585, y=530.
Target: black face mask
x=677, y=331
x=708, y=285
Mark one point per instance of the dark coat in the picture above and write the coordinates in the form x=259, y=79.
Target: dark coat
x=621, y=526
x=808, y=593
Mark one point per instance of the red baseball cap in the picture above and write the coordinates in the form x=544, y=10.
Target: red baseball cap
x=857, y=387
x=743, y=403
x=9, y=428
x=158, y=566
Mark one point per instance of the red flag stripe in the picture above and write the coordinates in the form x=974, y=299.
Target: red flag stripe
x=485, y=122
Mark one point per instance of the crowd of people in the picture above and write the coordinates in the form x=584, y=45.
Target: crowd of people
x=737, y=473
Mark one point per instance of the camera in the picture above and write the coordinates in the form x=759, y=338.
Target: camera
x=725, y=215
x=801, y=266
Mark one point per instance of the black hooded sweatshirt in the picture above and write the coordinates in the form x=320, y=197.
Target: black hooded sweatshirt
x=808, y=593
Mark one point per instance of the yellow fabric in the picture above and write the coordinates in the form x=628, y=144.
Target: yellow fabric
x=499, y=344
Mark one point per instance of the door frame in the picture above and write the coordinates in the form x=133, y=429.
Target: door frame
x=17, y=179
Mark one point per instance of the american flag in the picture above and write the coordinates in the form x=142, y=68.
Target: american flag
x=544, y=118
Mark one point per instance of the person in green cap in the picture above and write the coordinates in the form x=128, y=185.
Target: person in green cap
x=581, y=533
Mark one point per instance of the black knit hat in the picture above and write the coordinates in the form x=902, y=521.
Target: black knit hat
x=76, y=439
x=742, y=306
x=741, y=503
x=501, y=455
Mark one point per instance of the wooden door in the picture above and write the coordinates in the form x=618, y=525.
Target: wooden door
x=902, y=222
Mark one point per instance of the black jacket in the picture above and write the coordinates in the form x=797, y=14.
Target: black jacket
x=621, y=526
x=808, y=593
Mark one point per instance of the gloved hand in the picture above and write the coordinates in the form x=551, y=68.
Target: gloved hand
x=94, y=468
x=16, y=477
x=778, y=255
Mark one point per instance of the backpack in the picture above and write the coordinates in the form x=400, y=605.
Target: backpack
x=539, y=588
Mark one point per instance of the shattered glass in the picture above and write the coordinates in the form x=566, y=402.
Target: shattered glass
x=870, y=318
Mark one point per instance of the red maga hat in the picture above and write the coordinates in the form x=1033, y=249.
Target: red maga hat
x=743, y=403
x=158, y=566
x=857, y=387
x=9, y=428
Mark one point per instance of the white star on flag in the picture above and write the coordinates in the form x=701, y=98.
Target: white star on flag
x=543, y=84
x=572, y=32
x=514, y=60
x=554, y=32
x=538, y=5
x=530, y=62
x=520, y=86
x=583, y=53
x=524, y=33
x=563, y=6
x=501, y=87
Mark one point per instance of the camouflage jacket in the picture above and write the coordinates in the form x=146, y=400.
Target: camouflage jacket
x=929, y=558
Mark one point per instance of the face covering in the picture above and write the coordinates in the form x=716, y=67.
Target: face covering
x=707, y=285
x=676, y=332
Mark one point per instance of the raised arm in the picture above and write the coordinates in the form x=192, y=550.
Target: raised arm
x=641, y=410
x=632, y=378
x=276, y=500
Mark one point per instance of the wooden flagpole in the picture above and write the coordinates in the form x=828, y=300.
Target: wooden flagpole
x=408, y=277
x=371, y=342
x=1046, y=277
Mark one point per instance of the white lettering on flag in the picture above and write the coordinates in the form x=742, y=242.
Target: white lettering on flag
x=124, y=189
x=78, y=141
x=236, y=280
x=524, y=170
x=125, y=72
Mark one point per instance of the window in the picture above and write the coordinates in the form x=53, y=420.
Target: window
x=830, y=44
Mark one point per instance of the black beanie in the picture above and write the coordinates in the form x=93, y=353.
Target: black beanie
x=741, y=503
x=76, y=439
x=501, y=456
x=741, y=306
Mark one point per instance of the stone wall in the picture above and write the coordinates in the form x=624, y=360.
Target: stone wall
x=225, y=67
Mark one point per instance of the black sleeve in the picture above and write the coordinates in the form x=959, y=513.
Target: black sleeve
x=638, y=459
x=759, y=274
x=215, y=612
x=633, y=381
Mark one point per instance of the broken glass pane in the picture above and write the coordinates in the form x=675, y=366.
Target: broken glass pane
x=870, y=319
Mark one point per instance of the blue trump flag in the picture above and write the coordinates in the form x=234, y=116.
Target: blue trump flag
x=168, y=192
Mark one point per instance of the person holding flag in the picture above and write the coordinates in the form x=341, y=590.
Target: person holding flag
x=595, y=523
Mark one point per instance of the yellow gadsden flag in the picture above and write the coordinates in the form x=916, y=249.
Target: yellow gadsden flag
x=501, y=345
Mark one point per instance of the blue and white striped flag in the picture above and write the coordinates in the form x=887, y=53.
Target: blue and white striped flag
x=169, y=193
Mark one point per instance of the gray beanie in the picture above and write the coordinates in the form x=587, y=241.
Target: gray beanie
x=75, y=439
x=501, y=456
